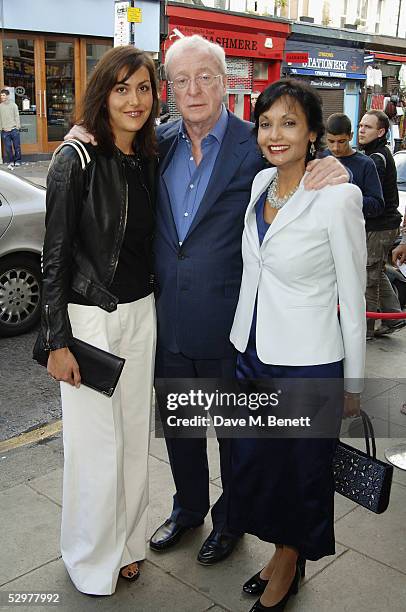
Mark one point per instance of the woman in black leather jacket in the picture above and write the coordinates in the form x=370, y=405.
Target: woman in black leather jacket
x=97, y=287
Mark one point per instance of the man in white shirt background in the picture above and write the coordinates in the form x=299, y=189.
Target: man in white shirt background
x=10, y=129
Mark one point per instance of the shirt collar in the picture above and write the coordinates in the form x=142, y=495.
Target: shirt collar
x=218, y=130
x=374, y=144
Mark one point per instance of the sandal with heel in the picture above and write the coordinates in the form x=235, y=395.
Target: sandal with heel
x=131, y=572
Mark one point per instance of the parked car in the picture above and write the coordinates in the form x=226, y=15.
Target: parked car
x=22, y=213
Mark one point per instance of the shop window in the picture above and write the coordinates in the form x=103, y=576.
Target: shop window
x=94, y=52
x=261, y=71
x=19, y=79
x=60, y=87
x=364, y=10
x=222, y=4
x=352, y=87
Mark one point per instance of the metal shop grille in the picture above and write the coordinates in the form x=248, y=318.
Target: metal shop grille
x=333, y=101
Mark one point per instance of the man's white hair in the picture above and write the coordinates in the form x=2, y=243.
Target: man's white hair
x=193, y=43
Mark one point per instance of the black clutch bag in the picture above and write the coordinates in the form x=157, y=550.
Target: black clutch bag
x=361, y=476
x=99, y=369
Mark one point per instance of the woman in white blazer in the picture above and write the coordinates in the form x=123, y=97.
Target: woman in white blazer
x=303, y=252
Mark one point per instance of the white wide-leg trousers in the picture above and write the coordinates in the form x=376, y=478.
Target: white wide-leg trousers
x=105, y=484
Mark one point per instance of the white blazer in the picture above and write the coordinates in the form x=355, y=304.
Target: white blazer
x=312, y=256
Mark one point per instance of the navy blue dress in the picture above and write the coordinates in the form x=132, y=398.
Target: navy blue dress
x=282, y=489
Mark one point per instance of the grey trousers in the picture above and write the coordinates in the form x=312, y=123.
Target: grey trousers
x=379, y=294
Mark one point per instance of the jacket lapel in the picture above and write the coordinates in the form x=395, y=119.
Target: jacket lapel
x=167, y=146
x=232, y=151
x=250, y=215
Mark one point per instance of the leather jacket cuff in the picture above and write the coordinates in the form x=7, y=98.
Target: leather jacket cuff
x=55, y=327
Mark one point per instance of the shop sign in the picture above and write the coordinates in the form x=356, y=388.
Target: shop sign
x=134, y=15
x=323, y=84
x=325, y=61
x=122, y=27
x=327, y=73
x=297, y=58
x=28, y=128
x=238, y=44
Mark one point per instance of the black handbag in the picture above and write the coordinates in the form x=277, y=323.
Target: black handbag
x=99, y=369
x=361, y=476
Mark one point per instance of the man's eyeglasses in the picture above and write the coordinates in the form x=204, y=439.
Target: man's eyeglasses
x=202, y=80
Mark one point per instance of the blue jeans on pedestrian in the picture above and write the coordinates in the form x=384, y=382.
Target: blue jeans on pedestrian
x=12, y=145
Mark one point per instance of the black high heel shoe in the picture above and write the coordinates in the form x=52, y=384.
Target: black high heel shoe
x=280, y=606
x=257, y=585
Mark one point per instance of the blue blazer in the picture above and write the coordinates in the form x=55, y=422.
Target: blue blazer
x=198, y=283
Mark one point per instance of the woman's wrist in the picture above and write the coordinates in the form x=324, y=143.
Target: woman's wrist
x=349, y=395
x=59, y=350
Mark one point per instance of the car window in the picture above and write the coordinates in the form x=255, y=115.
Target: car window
x=400, y=161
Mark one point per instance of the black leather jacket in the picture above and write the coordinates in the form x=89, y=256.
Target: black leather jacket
x=390, y=217
x=85, y=224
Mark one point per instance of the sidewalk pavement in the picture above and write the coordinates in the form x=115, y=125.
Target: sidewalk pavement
x=367, y=574
x=35, y=172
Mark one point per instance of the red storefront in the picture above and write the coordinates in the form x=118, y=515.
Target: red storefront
x=254, y=49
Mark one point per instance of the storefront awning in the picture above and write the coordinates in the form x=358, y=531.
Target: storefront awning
x=332, y=74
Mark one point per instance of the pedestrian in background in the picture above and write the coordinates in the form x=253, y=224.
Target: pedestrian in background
x=383, y=229
x=364, y=174
x=399, y=253
x=10, y=129
x=254, y=98
x=303, y=251
x=97, y=263
x=164, y=114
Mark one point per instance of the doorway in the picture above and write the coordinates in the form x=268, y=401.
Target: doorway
x=46, y=76
x=239, y=103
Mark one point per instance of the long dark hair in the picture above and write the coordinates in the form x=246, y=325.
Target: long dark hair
x=303, y=94
x=93, y=113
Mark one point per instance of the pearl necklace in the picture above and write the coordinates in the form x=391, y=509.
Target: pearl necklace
x=272, y=196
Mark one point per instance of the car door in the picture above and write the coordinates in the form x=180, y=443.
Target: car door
x=6, y=215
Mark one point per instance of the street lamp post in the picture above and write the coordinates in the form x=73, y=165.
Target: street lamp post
x=397, y=25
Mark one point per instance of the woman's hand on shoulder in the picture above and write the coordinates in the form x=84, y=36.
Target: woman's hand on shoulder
x=323, y=172
x=78, y=132
x=63, y=366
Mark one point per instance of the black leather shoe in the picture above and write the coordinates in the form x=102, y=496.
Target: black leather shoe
x=168, y=534
x=257, y=585
x=280, y=606
x=216, y=548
